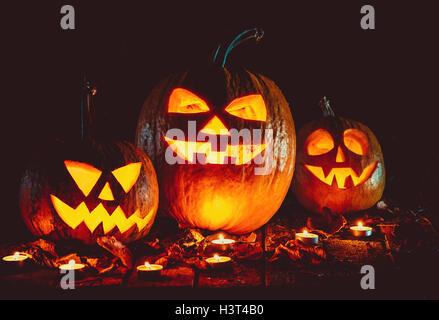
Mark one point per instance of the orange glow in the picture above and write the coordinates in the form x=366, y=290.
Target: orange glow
x=241, y=154
x=106, y=193
x=341, y=174
x=340, y=155
x=74, y=217
x=319, y=142
x=356, y=141
x=84, y=175
x=127, y=175
x=184, y=101
x=251, y=107
x=215, y=127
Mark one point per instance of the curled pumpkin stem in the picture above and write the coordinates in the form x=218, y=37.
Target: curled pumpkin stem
x=255, y=33
x=326, y=107
x=89, y=90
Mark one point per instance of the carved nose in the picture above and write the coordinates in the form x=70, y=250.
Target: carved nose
x=340, y=155
x=106, y=193
x=215, y=127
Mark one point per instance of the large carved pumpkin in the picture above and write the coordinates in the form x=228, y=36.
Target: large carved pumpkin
x=87, y=189
x=339, y=165
x=209, y=175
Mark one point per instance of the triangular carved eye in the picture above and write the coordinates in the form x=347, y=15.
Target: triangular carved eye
x=251, y=107
x=84, y=175
x=127, y=175
x=184, y=101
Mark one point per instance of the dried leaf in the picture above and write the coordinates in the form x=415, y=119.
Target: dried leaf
x=327, y=222
x=248, y=251
x=154, y=244
x=118, y=249
x=298, y=253
x=162, y=261
x=196, y=235
x=248, y=238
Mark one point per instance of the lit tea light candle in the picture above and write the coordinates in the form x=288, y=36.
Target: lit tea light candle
x=148, y=271
x=15, y=263
x=72, y=265
x=16, y=257
x=223, y=244
x=217, y=262
x=361, y=231
x=307, y=238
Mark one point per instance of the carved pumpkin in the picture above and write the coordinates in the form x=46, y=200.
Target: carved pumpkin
x=87, y=189
x=339, y=165
x=214, y=182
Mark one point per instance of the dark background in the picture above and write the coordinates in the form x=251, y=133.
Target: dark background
x=385, y=78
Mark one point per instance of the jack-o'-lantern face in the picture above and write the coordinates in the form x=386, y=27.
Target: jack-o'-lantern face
x=249, y=107
x=105, y=188
x=84, y=189
x=236, y=141
x=86, y=178
x=340, y=165
x=338, y=162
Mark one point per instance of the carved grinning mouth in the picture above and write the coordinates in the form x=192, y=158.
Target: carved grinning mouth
x=238, y=154
x=74, y=217
x=343, y=178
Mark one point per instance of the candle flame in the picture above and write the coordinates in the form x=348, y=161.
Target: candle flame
x=72, y=262
x=147, y=265
x=216, y=257
x=360, y=224
x=16, y=254
x=221, y=237
x=305, y=231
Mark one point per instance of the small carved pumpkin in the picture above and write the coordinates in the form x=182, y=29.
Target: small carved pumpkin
x=216, y=186
x=339, y=165
x=87, y=189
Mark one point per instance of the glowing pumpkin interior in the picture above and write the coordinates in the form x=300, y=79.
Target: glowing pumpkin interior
x=250, y=107
x=320, y=142
x=86, y=176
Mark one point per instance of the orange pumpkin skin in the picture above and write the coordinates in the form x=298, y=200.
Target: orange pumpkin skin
x=348, y=193
x=48, y=177
x=217, y=196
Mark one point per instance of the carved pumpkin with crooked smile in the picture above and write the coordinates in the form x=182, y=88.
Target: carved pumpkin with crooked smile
x=84, y=191
x=88, y=188
x=339, y=165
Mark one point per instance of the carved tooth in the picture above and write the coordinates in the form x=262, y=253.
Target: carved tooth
x=348, y=182
x=334, y=181
x=326, y=170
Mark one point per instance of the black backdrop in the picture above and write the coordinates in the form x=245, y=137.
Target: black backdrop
x=385, y=78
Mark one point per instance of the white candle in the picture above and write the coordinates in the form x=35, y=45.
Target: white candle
x=361, y=231
x=72, y=265
x=16, y=257
x=307, y=238
x=217, y=261
x=15, y=263
x=223, y=244
x=148, y=271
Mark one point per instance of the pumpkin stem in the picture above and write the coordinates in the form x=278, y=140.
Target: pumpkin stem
x=326, y=108
x=255, y=33
x=88, y=90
